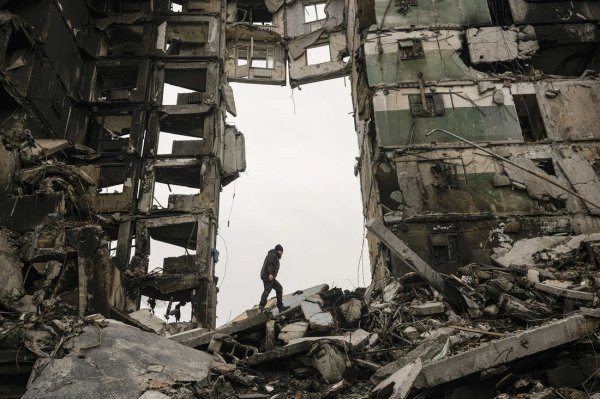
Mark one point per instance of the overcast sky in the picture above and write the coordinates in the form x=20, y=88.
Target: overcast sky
x=299, y=190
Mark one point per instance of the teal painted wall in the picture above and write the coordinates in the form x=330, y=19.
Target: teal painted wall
x=499, y=124
x=437, y=65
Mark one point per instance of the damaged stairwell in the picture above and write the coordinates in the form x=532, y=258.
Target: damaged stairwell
x=477, y=124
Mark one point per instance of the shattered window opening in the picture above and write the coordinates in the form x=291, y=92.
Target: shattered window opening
x=163, y=191
x=116, y=189
x=530, y=118
x=444, y=248
x=314, y=12
x=176, y=7
x=434, y=105
x=115, y=83
x=318, y=55
x=411, y=49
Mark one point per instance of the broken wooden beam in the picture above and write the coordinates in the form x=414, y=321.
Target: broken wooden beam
x=506, y=350
x=415, y=263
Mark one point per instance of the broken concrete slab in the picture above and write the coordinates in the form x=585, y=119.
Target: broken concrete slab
x=119, y=354
x=563, y=292
x=329, y=359
x=495, y=353
x=295, y=299
x=200, y=336
x=303, y=345
x=542, y=250
x=358, y=339
x=154, y=395
x=145, y=317
x=426, y=309
x=293, y=331
x=522, y=251
x=48, y=147
x=399, y=384
x=318, y=320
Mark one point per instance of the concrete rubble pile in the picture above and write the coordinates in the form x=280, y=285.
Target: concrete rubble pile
x=525, y=327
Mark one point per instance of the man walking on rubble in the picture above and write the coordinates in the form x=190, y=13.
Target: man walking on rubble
x=268, y=273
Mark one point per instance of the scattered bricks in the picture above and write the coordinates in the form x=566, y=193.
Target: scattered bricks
x=427, y=309
x=351, y=311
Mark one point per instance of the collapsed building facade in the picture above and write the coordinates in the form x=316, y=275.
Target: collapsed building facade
x=477, y=124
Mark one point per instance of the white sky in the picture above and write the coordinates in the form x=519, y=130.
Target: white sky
x=299, y=190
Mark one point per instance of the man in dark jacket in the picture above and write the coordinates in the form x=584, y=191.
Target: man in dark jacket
x=268, y=273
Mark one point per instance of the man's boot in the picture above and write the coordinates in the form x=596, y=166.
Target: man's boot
x=282, y=308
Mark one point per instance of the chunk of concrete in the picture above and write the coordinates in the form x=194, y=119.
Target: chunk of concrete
x=427, y=309
x=358, y=339
x=295, y=299
x=293, y=331
x=318, y=320
x=200, y=336
x=506, y=350
x=329, y=359
x=145, y=317
x=351, y=311
x=154, y=395
x=566, y=293
x=399, y=384
x=120, y=354
x=390, y=291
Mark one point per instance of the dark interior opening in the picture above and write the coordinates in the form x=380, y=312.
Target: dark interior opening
x=253, y=12
x=123, y=39
x=192, y=79
x=8, y=107
x=115, y=83
x=530, y=117
x=444, y=248
x=500, y=12
x=546, y=165
x=387, y=182
x=110, y=6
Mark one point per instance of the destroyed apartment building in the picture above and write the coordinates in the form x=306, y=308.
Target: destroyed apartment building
x=478, y=126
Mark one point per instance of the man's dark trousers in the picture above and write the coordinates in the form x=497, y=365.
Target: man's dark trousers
x=270, y=285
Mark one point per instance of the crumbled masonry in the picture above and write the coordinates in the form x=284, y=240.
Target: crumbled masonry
x=478, y=126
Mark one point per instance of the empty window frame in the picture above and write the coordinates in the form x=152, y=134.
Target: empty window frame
x=115, y=83
x=318, y=54
x=176, y=7
x=175, y=37
x=530, y=118
x=314, y=12
x=444, y=248
x=260, y=58
x=184, y=86
x=434, y=105
x=410, y=49
x=123, y=40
